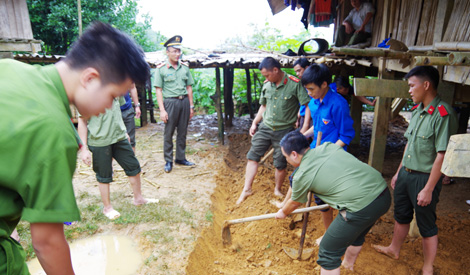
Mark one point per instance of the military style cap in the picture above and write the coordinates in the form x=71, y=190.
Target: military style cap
x=174, y=42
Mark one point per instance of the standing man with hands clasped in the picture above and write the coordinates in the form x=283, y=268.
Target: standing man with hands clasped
x=418, y=180
x=173, y=83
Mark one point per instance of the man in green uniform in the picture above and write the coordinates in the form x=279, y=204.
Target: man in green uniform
x=105, y=135
x=279, y=106
x=39, y=143
x=173, y=84
x=345, y=183
x=418, y=182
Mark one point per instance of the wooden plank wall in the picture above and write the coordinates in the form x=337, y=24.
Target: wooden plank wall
x=413, y=22
x=458, y=28
x=427, y=23
x=14, y=20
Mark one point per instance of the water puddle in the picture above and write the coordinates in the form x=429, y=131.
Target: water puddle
x=116, y=255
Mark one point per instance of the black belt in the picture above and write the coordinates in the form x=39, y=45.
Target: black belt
x=415, y=172
x=179, y=97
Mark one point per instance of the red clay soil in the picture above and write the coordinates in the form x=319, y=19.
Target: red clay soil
x=257, y=247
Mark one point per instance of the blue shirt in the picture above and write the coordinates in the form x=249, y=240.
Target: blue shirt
x=128, y=104
x=331, y=116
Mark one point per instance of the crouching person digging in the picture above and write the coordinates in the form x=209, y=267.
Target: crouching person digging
x=345, y=183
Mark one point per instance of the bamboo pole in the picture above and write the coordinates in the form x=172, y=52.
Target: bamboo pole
x=458, y=58
x=431, y=60
x=373, y=53
x=452, y=46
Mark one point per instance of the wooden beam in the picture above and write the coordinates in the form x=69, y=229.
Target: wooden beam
x=248, y=93
x=379, y=133
x=397, y=105
x=381, y=120
x=356, y=115
x=381, y=87
x=19, y=46
x=457, y=74
x=218, y=105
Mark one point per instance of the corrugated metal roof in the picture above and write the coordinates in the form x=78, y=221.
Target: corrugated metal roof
x=234, y=60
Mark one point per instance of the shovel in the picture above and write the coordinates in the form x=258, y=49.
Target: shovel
x=302, y=254
x=227, y=237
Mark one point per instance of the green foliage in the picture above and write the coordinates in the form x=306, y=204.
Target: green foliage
x=56, y=22
x=203, y=89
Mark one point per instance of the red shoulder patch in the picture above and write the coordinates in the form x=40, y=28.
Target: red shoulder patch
x=293, y=78
x=160, y=65
x=414, y=107
x=431, y=110
x=442, y=110
x=285, y=81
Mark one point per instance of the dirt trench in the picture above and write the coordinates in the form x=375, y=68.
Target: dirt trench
x=257, y=247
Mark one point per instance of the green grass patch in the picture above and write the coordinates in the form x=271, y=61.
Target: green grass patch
x=209, y=216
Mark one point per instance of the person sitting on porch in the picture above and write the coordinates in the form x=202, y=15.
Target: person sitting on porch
x=357, y=26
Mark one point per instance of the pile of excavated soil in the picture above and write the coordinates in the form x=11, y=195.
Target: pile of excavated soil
x=257, y=247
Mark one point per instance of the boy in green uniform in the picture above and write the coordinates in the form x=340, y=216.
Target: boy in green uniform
x=279, y=100
x=417, y=182
x=105, y=135
x=358, y=192
x=39, y=143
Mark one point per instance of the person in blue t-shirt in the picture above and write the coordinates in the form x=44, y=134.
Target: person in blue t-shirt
x=329, y=110
x=330, y=115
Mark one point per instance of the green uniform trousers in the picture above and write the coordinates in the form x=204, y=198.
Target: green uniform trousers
x=178, y=118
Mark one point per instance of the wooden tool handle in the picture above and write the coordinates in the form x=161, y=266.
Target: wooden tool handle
x=272, y=215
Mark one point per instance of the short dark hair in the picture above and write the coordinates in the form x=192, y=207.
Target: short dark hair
x=111, y=52
x=302, y=62
x=342, y=81
x=316, y=74
x=294, y=141
x=428, y=73
x=269, y=63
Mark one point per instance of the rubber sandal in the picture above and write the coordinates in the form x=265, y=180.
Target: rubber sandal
x=149, y=201
x=112, y=215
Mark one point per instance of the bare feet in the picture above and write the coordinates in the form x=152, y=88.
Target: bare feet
x=278, y=193
x=276, y=203
x=245, y=194
x=347, y=265
x=386, y=251
x=428, y=271
x=318, y=241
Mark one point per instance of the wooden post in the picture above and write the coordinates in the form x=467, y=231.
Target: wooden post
x=380, y=125
x=141, y=94
x=218, y=105
x=228, y=91
x=356, y=115
x=248, y=93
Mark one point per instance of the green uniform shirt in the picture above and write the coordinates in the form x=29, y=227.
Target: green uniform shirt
x=336, y=177
x=282, y=102
x=108, y=128
x=38, y=146
x=173, y=81
x=428, y=133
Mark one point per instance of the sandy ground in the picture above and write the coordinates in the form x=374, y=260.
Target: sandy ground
x=213, y=186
